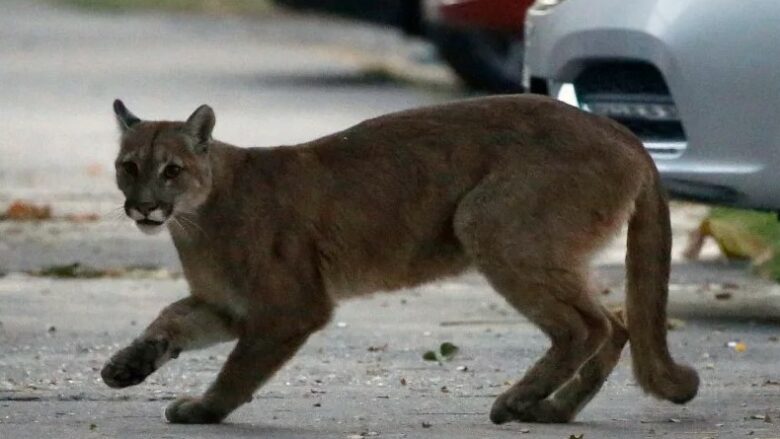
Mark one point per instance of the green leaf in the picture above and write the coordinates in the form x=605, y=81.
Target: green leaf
x=430, y=356
x=448, y=350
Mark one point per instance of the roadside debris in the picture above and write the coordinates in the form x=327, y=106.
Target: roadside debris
x=738, y=346
x=381, y=348
x=446, y=352
x=78, y=271
x=733, y=238
x=82, y=217
x=24, y=211
x=766, y=418
x=740, y=235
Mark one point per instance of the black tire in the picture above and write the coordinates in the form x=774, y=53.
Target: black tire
x=484, y=60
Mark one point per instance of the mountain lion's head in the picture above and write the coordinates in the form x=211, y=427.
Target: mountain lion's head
x=163, y=167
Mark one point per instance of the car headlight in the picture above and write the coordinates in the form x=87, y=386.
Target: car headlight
x=542, y=6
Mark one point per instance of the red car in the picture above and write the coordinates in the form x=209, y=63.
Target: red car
x=480, y=39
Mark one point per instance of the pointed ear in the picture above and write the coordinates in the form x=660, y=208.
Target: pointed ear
x=200, y=124
x=124, y=117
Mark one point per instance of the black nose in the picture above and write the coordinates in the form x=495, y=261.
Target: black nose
x=145, y=208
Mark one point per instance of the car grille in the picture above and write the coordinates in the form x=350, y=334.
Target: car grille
x=636, y=95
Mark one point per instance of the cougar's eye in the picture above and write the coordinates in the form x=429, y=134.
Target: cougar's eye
x=171, y=172
x=130, y=168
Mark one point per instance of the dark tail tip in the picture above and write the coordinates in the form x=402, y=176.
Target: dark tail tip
x=679, y=384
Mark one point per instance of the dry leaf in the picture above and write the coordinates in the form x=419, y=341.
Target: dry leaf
x=24, y=211
x=734, y=240
x=95, y=169
x=738, y=346
x=82, y=217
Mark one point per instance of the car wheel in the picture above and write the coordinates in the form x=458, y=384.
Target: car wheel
x=485, y=60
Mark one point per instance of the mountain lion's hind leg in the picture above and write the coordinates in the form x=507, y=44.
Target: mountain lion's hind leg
x=183, y=325
x=567, y=401
x=527, y=247
x=576, y=327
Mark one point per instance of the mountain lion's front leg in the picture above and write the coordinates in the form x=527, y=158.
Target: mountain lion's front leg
x=250, y=364
x=184, y=325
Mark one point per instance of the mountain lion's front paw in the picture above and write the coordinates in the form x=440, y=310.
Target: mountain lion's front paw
x=133, y=364
x=192, y=411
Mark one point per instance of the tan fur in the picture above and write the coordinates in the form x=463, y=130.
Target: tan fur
x=522, y=188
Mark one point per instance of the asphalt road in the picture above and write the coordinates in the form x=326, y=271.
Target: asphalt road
x=282, y=80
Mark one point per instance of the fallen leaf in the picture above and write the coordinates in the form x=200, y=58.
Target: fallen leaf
x=92, y=426
x=426, y=424
x=579, y=436
x=82, y=217
x=23, y=211
x=724, y=295
x=738, y=346
x=735, y=240
x=448, y=350
x=94, y=169
x=430, y=356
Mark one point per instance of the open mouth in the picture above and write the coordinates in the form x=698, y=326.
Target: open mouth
x=148, y=222
x=149, y=227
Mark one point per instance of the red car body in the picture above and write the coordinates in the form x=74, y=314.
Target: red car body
x=500, y=15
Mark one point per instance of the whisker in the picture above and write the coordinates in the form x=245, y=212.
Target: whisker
x=193, y=224
x=177, y=223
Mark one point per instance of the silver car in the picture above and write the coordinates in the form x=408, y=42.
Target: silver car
x=697, y=80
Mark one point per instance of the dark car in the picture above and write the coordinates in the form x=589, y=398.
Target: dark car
x=481, y=40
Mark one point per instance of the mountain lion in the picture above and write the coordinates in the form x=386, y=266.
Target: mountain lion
x=522, y=188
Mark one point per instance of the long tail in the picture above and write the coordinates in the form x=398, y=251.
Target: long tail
x=648, y=261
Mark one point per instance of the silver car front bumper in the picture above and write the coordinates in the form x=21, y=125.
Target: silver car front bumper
x=697, y=80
